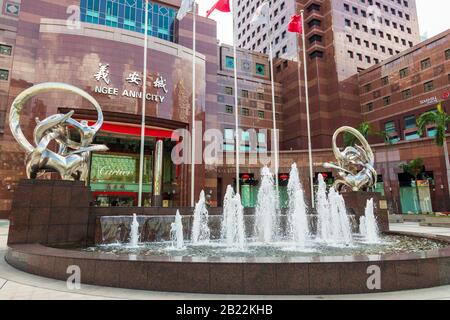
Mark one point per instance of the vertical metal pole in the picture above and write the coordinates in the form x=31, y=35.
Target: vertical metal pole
x=236, y=107
x=193, y=107
x=144, y=98
x=274, y=118
x=311, y=172
x=157, y=173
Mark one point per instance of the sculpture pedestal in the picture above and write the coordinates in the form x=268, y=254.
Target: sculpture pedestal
x=356, y=205
x=50, y=212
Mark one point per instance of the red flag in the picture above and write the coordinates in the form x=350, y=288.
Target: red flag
x=295, y=25
x=221, y=5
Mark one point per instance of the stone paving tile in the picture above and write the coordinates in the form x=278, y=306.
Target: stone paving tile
x=415, y=227
x=16, y=291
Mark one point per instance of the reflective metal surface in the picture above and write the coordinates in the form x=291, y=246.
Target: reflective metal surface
x=72, y=158
x=355, y=165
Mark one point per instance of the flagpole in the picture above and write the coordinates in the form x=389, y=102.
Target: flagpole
x=236, y=111
x=274, y=118
x=144, y=94
x=308, y=121
x=194, y=25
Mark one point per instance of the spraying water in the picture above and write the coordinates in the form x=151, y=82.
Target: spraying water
x=362, y=226
x=134, y=232
x=333, y=222
x=323, y=211
x=176, y=232
x=369, y=224
x=341, y=231
x=233, y=230
x=266, y=208
x=200, y=229
x=298, y=227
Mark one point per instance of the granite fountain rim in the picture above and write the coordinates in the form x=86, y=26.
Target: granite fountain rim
x=70, y=253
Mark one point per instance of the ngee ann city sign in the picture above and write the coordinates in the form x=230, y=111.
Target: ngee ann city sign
x=134, y=78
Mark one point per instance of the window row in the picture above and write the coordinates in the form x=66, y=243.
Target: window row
x=130, y=15
x=246, y=94
x=405, y=72
x=365, y=14
x=245, y=112
x=258, y=30
x=405, y=94
x=379, y=33
x=260, y=69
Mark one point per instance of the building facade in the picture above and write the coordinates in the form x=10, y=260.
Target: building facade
x=256, y=38
x=98, y=46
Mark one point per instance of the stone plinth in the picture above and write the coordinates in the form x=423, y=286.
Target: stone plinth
x=50, y=212
x=356, y=204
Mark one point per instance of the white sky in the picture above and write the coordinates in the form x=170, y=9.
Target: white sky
x=433, y=18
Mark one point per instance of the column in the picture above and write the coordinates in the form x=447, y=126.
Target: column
x=157, y=173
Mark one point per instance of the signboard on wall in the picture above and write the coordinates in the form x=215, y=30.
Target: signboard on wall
x=134, y=78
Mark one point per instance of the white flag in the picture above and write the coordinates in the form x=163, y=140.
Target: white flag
x=186, y=6
x=261, y=15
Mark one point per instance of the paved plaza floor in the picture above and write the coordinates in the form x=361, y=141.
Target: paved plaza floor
x=15, y=284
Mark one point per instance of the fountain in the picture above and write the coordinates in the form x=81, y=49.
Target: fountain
x=200, y=228
x=233, y=230
x=368, y=226
x=176, y=232
x=333, y=223
x=134, y=233
x=297, y=221
x=266, y=209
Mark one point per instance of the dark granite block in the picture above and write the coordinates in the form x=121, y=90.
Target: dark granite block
x=227, y=278
x=292, y=278
x=406, y=274
x=193, y=277
x=22, y=196
x=354, y=277
x=80, y=197
x=259, y=278
x=388, y=276
x=163, y=276
x=77, y=234
x=37, y=234
x=324, y=278
x=78, y=215
x=41, y=196
x=107, y=273
x=444, y=271
x=20, y=215
x=39, y=216
x=46, y=266
x=60, y=268
x=61, y=196
x=133, y=275
x=427, y=273
x=57, y=234
x=17, y=234
x=59, y=216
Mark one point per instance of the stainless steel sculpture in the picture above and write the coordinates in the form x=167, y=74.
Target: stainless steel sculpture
x=71, y=160
x=355, y=165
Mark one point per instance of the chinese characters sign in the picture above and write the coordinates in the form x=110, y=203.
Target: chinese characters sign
x=134, y=78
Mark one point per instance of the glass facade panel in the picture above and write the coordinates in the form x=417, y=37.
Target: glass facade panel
x=229, y=62
x=410, y=122
x=130, y=15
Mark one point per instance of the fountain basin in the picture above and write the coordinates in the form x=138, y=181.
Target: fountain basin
x=313, y=275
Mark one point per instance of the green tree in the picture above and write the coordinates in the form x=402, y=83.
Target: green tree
x=414, y=168
x=366, y=130
x=440, y=120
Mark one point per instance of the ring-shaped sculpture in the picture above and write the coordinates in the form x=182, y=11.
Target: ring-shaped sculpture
x=355, y=164
x=71, y=160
